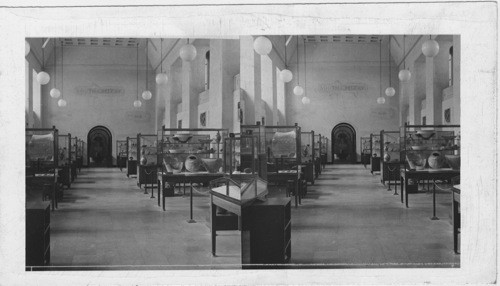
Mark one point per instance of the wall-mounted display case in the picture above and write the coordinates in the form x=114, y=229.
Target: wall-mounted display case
x=147, y=150
x=307, y=148
x=430, y=153
x=375, y=153
x=64, y=160
x=365, y=151
x=131, y=156
x=390, y=152
x=42, y=164
x=121, y=153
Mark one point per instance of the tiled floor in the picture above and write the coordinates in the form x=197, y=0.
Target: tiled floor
x=348, y=219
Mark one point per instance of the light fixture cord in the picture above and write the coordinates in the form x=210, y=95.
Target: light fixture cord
x=404, y=52
x=62, y=71
x=305, y=66
x=389, y=59
x=43, y=56
x=147, y=60
x=380, y=66
x=161, y=55
x=298, y=71
x=55, y=66
x=285, y=52
x=137, y=73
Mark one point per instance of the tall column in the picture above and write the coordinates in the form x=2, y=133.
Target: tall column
x=413, y=101
x=275, y=95
x=189, y=98
x=455, y=114
x=434, y=100
x=250, y=80
x=267, y=79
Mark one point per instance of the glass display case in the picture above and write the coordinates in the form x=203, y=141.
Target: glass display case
x=390, y=153
x=375, y=153
x=283, y=151
x=365, y=147
x=317, y=155
x=131, y=156
x=431, y=147
x=259, y=132
x=325, y=151
x=307, y=154
x=121, y=153
x=64, y=160
x=74, y=163
x=80, y=153
x=41, y=164
x=147, y=150
x=431, y=153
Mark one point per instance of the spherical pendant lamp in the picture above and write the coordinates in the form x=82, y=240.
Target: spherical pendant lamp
x=298, y=90
x=404, y=75
x=305, y=100
x=188, y=52
x=43, y=78
x=146, y=95
x=390, y=91
x=430, y=48
x=262, y=45
x=62, y=102
x=380, y=100
x=55, y=93
x=137, y=103
x=27, y=48
x=161, y=78
x=286, y=75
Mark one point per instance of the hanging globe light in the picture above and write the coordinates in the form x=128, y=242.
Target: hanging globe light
x=390, y=91
x=188, y=52
x=55, y=93
x=146, y=95
x=404, y=75
x=137, y=103
x=286, y=75
x=305, y=100
x=262, y=45
x=381, y=100
x=27, y=48
x=43, y=78
x=161, y=78
x=298, y=90
x=430, y=48
x=61, y=102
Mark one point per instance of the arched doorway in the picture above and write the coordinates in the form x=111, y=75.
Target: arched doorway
x=344, y=143
x=99, y=147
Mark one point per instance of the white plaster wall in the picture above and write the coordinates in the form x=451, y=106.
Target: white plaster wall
x=100, y=67
x=343, y=85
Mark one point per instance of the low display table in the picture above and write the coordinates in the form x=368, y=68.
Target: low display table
x=285, y=179
x=429, y=175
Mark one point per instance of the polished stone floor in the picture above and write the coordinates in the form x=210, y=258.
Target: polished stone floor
x=348, y=219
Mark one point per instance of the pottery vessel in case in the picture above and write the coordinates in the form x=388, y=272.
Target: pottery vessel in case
x=387, y=157
x=212, y=164
x=416, y=161
x=436, y=160
x=193, y=164
x=172, y=164
x=453, y=161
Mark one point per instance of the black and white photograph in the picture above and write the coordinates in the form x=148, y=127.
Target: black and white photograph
x=249, y=143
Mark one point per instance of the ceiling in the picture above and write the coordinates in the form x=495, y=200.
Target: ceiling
x=355, y=39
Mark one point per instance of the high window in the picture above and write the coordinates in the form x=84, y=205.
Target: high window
x=207, y=70
x=450, y=67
